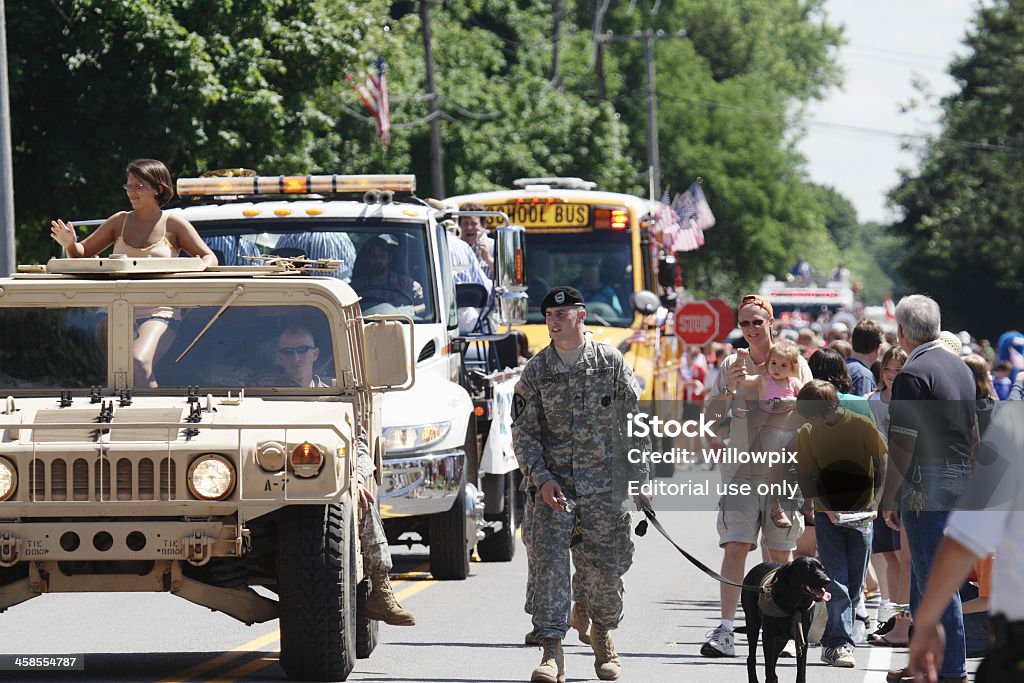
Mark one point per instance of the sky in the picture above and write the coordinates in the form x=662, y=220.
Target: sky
x=853, y=137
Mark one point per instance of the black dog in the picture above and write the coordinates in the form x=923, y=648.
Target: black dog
x=788, y=599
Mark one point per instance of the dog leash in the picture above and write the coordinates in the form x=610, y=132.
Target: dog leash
x=641, y=529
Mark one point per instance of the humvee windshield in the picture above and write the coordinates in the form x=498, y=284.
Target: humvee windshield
x=247, y=346
x=52, y=347
x=385, y=264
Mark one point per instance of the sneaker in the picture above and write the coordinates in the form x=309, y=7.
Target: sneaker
x=789, y=650
x=838, y=656
x=720, y=643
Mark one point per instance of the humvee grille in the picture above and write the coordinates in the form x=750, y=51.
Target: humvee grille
x=134, y=479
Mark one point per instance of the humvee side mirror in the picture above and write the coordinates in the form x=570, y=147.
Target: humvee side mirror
x=510, y=274
x=388, y=352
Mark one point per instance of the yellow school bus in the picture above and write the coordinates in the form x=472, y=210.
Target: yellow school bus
x=599, y=243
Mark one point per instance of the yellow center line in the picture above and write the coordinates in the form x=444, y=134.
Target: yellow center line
x=414, y=584
x=221, y=660
x=249, y=667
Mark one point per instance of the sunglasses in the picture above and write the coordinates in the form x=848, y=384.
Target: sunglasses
x=133, y=188
x=756, y=322
x=295, y=350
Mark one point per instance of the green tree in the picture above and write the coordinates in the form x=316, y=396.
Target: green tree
x=963, y=209
x=195, y=83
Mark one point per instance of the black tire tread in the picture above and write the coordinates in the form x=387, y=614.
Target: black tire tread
x=314, y=566
x=501, y=546
x=449, y=554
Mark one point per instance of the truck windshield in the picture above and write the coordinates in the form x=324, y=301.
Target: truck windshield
x=596, y=263
x=53, y=347
x=248, y=346
x=386, y=264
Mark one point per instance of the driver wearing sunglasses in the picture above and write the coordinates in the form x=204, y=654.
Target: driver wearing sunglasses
x=297, y=352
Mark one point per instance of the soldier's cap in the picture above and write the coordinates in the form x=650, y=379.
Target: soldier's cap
x=561, y=296
x=759, y=301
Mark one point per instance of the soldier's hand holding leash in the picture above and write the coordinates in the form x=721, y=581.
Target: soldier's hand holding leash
x=553, y=496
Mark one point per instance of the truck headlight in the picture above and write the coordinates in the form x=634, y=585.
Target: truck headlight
x=402, y=439
x=8, y=479
x=211, y=477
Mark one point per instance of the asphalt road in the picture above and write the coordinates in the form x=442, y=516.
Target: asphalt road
x=467, y=631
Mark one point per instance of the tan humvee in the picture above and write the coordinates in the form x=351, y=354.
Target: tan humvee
x=225, y=475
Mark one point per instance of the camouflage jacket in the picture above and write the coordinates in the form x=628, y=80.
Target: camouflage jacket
x=570, y=424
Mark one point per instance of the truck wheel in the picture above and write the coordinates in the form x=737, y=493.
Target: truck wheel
x=449, y=551
x=317, y=592
x=367, y=630
x=500, y=546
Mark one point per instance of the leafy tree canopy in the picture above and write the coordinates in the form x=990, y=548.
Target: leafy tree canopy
x=962, y=211
x=223, y=83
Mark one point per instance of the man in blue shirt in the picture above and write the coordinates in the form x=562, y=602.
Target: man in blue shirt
x=867, y=343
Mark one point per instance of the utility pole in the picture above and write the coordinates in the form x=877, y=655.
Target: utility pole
x=649, y=37
x=436, y=158
x=6, y=163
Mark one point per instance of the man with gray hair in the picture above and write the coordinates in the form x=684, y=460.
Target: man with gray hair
x=932, y=434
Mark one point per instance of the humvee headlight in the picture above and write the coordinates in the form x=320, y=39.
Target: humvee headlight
x=307, y=459
x=270, y=456
x=402, y=439
x=211, y=477
x=8, y=479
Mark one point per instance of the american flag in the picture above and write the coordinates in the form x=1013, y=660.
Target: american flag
x=666, y=224
x=694, y=217
x=374, y=93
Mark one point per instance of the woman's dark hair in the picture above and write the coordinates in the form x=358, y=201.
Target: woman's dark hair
x=156, y=174
x=829, y=365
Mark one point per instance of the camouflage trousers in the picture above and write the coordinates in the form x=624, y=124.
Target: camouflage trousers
x=602, y=558
x=580, y=581
x=376, y=556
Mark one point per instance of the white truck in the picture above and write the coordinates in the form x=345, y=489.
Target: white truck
x=449, y=479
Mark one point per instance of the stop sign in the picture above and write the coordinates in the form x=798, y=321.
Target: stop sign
x=697, y=323
x=726, y=318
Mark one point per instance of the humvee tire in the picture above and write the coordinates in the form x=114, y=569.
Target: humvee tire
x=367, y=630
x=317, y=592
x=500, y=546
x=449, y=552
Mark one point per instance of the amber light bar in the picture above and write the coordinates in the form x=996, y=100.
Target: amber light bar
x=296, y=184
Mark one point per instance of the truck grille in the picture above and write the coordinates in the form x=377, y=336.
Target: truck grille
x=106, y=479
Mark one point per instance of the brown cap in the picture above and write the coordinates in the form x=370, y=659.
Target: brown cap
x=757, y=300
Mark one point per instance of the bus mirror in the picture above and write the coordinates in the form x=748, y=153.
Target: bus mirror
x=645, y=302
x=667, y=270
x=511, y=307
x=510, y=259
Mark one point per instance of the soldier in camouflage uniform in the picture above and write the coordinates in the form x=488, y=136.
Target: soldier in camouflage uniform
x=569, y=429
x=381, y=603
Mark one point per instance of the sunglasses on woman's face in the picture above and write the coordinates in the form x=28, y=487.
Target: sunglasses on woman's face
x=756, y=322
x=295, y=350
